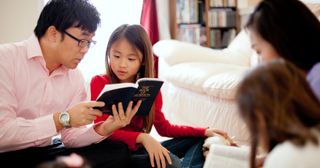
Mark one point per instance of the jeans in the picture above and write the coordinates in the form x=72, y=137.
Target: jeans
x=184, y=152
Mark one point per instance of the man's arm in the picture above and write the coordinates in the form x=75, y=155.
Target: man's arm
x=18, y=132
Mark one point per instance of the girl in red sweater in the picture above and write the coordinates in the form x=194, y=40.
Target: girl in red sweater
x=128, y=58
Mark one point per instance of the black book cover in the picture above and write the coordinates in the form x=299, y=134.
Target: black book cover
x=145, y=89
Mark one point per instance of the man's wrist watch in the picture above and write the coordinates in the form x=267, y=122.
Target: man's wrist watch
x=64, y=119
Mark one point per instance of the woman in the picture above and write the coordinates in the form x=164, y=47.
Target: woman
x=282, y=114
x=287, y=29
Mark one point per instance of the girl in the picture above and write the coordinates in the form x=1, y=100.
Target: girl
x=128, y=58
x=282, y=114
x=287, y=29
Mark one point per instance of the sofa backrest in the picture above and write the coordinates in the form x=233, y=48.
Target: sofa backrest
x=173, y=52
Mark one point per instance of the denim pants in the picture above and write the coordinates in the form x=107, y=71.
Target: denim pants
x=184, y=152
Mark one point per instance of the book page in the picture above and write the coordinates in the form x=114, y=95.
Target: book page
x=222, y=156
x=148, y=79
x=108, y=87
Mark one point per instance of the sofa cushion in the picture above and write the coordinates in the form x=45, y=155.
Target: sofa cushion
x=215, y=79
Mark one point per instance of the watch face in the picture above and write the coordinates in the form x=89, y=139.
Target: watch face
x=65, y=117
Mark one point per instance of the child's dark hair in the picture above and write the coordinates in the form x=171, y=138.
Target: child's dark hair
x=291, y=28
x=139, y=39
x=278, y=95
x=64, y=14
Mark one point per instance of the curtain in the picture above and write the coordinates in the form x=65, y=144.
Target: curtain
x=149, y=21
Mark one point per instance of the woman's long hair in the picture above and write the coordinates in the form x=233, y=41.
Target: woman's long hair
x=278, y=95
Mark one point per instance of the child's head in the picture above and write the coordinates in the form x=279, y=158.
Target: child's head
x=277, y=104
x=129, y=54
x=287, y=29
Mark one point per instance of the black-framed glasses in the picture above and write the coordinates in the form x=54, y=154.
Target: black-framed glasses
x=81, y=43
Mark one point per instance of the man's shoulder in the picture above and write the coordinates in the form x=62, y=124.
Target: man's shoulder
x=12, y=49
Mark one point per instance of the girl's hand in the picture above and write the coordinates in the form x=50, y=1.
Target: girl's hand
x=119, y=118
x=212, y=132
x=155, y=150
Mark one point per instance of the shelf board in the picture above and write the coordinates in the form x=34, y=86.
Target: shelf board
x=232, y=27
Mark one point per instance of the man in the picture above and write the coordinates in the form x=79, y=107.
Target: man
x=41, y=93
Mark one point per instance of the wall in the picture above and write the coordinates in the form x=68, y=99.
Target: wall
x=18, y=19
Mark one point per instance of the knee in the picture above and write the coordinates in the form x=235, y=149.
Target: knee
x=176, y=162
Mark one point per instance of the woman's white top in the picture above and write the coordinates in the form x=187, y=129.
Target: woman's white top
x=289, y=155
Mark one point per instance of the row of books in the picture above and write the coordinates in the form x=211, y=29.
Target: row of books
x=221, y=18
x=192, y=33
x=190, y=11
x=220, y=38
x=222, y=3
x=195, y=33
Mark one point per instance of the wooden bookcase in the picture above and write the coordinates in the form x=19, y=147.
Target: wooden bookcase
x=210, y=23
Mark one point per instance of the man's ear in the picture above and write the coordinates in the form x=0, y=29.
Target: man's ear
x=52, y=34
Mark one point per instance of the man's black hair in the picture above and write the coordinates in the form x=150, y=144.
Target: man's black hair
x=64, y=14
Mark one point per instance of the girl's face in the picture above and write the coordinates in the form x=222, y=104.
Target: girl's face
x=263, y=48
x=125, y=60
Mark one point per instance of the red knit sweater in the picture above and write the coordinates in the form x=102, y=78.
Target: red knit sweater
x=129, y=133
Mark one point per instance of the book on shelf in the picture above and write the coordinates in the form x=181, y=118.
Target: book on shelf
x=145, y=89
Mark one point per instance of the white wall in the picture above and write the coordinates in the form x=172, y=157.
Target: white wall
x=18, y=19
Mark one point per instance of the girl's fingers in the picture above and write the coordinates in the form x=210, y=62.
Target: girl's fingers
x=162, y=160
x=167, y=156
x=135, y=109
x=129, y=112
x=151, y=157
x=157, y=157
x=220, y=132
x=129, y=108
x=115, y=112
x=120, y=111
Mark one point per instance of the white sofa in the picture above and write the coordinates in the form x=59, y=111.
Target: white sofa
x=200, y=91
x=201, y=83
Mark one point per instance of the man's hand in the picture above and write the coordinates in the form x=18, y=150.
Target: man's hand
x=80, y=114
x=83, y=113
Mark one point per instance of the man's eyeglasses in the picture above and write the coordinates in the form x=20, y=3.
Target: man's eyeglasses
x=81, y=43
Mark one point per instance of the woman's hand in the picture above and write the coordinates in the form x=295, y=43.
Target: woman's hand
x=155, y=150
x=119, y=119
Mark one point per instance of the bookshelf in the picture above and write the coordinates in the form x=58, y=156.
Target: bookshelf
x=210, y=23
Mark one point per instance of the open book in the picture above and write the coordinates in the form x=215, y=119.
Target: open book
x=224, y=156
x=145, y=89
